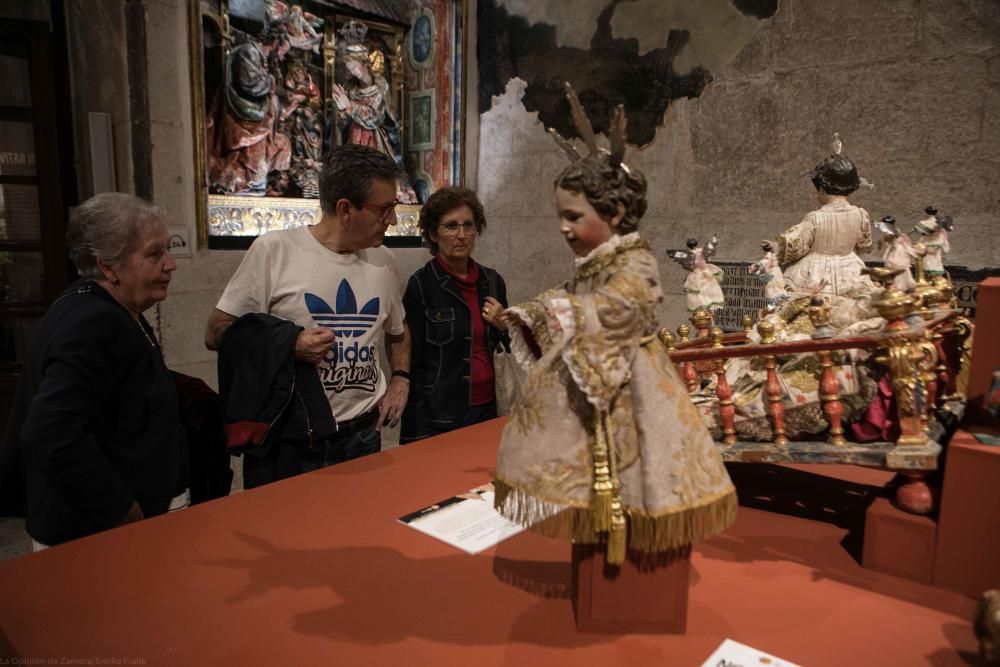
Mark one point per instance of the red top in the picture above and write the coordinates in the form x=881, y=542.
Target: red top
x=483, y=391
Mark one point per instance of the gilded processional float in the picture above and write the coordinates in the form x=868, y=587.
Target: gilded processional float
x=845, y=363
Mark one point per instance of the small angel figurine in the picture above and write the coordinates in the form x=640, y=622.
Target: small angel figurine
x=934, y=229
x=701, y=287
x=769, y=272
x=897, y=253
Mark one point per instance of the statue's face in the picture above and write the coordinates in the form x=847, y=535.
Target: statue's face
x=581, y=225
x=356, y=68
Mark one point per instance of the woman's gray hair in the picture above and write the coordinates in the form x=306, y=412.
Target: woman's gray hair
x=107, y=227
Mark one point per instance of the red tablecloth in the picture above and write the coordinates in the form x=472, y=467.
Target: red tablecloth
x=316, y=570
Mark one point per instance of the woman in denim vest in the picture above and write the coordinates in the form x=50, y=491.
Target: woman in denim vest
x=451, y=305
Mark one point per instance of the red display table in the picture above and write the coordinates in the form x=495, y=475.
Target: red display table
x=317, y=571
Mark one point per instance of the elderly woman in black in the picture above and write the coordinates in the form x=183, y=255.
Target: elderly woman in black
x=452, y=305
x=94, y=437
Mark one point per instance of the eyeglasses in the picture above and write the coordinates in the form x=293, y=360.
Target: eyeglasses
x=381, y=211
x=451, y=228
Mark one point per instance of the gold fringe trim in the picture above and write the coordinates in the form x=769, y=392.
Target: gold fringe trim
x=671, y=529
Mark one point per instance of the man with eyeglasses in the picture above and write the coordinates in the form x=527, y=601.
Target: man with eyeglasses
x=331, y=290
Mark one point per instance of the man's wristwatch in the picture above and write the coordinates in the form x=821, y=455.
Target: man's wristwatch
x=402, y=374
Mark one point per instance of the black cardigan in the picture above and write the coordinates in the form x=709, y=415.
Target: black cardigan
x=441, y=334
x=94, y=425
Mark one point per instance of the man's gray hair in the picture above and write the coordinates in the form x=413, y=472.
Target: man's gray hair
x=347, y=173
x=107, y=227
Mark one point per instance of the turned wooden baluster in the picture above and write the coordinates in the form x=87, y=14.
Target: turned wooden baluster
x=772, y=387
x=687, y=368
x=725, y=393
x=702, y=320
x=829, y=394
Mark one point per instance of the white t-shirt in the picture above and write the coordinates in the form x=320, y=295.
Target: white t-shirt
x=292, y=276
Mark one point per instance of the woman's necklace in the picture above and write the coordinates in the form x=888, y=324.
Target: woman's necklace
x=147, y=336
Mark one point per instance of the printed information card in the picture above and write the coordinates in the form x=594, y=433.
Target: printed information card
x=735, y=654
x=466, y=521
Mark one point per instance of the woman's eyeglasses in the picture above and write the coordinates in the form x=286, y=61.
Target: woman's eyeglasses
x=452, y=228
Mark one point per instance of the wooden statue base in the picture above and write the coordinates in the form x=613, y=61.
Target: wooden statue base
x=967, y=557
x=899, y=543
x=642, y=595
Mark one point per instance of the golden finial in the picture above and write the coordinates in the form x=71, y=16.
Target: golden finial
x=716, y=337
x=667, y=339
x=701, y=319
x=894, y=304
x=766, y=331
x=747, y=321
x=683, y=331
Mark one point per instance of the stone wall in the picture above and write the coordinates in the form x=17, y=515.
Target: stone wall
x=912, y=86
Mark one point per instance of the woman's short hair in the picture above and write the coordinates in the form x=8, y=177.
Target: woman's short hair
x=607, y=187
x=107, y=227
x=443, y=202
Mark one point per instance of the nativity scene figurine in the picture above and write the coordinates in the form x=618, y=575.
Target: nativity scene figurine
x=604, y=446
x=702, y=287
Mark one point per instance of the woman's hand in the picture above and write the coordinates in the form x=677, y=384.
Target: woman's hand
x=493, y=312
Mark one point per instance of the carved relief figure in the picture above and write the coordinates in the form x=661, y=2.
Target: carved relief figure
x=366, y=103
x=293, y=27
x=244, y=145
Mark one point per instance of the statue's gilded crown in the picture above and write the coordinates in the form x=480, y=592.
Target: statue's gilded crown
x=616, y=134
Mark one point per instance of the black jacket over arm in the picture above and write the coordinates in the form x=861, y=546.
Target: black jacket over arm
x=267, y=394
x=441, y=334
x=94, y=425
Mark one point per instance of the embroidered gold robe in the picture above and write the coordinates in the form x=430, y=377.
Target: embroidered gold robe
x=604, y=444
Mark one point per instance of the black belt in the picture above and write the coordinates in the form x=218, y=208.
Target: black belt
x=359, y=423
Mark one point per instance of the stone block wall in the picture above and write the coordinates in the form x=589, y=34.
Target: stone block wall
x=912, y=86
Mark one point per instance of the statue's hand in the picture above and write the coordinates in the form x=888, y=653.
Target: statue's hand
x=340, y=97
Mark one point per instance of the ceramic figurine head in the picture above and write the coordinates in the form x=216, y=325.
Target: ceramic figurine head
x=836, y=175
x=608, y=188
